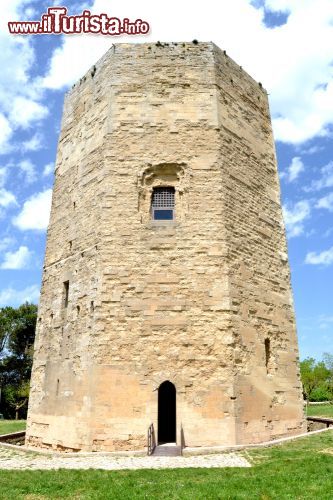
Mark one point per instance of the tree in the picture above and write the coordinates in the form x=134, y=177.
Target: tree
x=17, y=397
x=7, y=322
x=17, y=334
x=316, y=380
x=328, y=360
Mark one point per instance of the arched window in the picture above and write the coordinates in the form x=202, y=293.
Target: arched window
x=163, y=203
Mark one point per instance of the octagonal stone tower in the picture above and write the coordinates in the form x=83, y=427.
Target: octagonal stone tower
x=166, y=294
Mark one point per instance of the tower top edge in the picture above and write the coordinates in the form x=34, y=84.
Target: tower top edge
x=153, y=48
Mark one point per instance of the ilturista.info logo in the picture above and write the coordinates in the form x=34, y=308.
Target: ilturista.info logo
x=57, y=22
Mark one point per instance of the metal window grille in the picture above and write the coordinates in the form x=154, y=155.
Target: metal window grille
x=163, y=203
x=164, y=197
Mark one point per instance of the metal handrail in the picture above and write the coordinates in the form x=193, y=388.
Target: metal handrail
x=182, y=439
x=151, y=440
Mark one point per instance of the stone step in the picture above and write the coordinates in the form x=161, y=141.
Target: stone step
x=167, y=451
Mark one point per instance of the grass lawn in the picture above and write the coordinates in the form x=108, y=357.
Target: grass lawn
x=8, y=426
x=320, y=411
x=302, y=469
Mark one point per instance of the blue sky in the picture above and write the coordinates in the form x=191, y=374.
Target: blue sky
x=285, y=44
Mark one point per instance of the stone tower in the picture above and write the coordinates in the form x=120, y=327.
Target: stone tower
x=166, y=294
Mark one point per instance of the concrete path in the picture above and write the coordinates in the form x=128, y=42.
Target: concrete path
x=17, y=459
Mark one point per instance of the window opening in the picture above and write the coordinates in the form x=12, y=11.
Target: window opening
x=163, y=203
x=66, y=293
x=267, y=354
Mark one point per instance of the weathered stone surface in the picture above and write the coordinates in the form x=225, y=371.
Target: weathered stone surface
x=190, y=301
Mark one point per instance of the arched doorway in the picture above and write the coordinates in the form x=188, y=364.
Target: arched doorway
x=166, y=413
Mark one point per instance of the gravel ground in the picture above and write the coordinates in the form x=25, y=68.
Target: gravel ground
x=17, y=459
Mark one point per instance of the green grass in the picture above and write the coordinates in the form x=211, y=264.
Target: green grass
x=302, y=469
x=8, y=426
x=320, y=411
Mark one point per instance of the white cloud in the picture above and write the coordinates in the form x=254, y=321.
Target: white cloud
x=11, y=297
x=295, y=230
x=281, y=5
x=48, y=169
x=325, y=180
x=294, y=169
x=294, y=67
x=33, y=144
x=19, y=93
x=31, y=13
x=66, y=65
x=3, y=176
x=26, y=111
x=6, y=242
x=325, y=258
x=326, y=202
x=328, y=232
x=7, y=198
x=311, y=150
x=29, y=170
x=294, y=217
x=17, y=260
x=325, y=321
x=35, y=212
x=5, y=133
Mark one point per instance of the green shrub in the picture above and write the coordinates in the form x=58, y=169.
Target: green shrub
x=321, y=393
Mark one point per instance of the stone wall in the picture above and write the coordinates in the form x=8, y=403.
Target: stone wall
x=192, y=300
